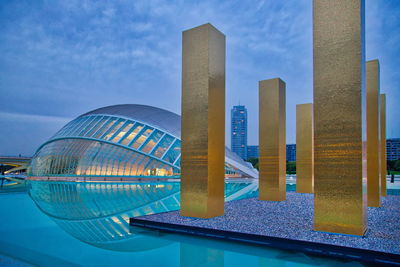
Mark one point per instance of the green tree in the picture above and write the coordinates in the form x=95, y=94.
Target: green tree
x=291, y=167
x=254, y=162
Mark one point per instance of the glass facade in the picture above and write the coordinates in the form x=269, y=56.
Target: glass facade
x=393, y=149
x=239, y=131
x=105, y=145
x=291, y=152
x=252, y=152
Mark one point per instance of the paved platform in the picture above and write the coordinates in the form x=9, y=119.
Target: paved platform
x=291, y=222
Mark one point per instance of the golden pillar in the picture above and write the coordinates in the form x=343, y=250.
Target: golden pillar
x=304, y=149
x=272, y=140
x=339, y=117
x=383, y=143
x=373, y=132
x=203, y=122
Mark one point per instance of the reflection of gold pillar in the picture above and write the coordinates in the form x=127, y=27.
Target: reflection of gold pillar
x=373, y=146
x=272, y=139
x=304, y=149
x=193, y=256
x=339, y=117
x=203, y=122
x=383, y=144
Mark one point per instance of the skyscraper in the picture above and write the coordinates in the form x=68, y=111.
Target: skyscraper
x=393, y=149
x=252, y=152
x=291, y=152
x=239, y=131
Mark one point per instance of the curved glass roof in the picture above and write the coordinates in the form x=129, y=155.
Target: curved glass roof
x=124, y=140
x=163, y=119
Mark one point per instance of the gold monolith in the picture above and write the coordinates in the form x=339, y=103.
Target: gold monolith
x=203, y=122
x=339, y=117
x=373, y=132
x=272, y=140
x=383, y=144
x=304, y=149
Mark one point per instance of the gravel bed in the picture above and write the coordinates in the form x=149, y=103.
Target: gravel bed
x=293, y=219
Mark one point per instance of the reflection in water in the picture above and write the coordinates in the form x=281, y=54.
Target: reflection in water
x=98, y=212
x=193, y=256
x=201, y=251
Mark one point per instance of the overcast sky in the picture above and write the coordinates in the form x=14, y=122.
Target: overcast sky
x=60, y=59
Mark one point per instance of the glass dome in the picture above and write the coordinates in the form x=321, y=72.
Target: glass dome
x=118, y=142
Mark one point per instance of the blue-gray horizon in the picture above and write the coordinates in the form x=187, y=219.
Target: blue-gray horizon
x=61, y=59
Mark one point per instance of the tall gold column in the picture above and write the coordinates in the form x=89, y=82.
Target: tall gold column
x=304, y=149
x=373, y=132
x=383, y=143
x=339, y=117
x=272, y=140
x=203, y=122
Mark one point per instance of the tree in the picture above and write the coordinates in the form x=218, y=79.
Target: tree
x=254, y=162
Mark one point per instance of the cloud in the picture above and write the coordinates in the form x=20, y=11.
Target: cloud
x=31, y=118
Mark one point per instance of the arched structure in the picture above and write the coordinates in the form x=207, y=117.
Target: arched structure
x=118, y=142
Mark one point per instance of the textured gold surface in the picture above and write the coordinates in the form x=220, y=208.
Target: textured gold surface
x=304, y=149
x=203, y=122
x=339, y=117
x=272, y=140
x=373, y=132
x=383, y=143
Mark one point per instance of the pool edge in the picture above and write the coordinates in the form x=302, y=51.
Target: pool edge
x=320, y=249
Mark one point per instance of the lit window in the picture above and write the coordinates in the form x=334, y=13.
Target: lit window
x=139, y=140
x=151, y=141
x=131, y=134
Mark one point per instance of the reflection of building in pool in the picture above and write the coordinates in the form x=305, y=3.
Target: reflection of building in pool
x=120, y=141
x=98, y=212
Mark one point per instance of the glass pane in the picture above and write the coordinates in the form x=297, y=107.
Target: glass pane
x=163, y=146
x=97, y=126
x=178, y=162
x=75, y=130
x=131, y=134
x=71, y=126
x=173, y=152
x=89, y=126
x=115, y=128
x=152, y=141
x=139, y=140
x=104, y=128
x=122, y=132
x=64, y=129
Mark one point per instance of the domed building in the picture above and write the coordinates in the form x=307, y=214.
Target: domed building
x=114, y=163
x=117, y=143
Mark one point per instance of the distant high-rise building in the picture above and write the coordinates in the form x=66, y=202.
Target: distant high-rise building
x=252, y=152
x=393, y=149
x=291, y=152
x=239, y=131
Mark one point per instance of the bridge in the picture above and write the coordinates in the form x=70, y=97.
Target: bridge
x=10, y=164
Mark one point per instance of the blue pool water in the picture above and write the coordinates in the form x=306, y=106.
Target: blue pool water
x=86, y=224
x=26, y=234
